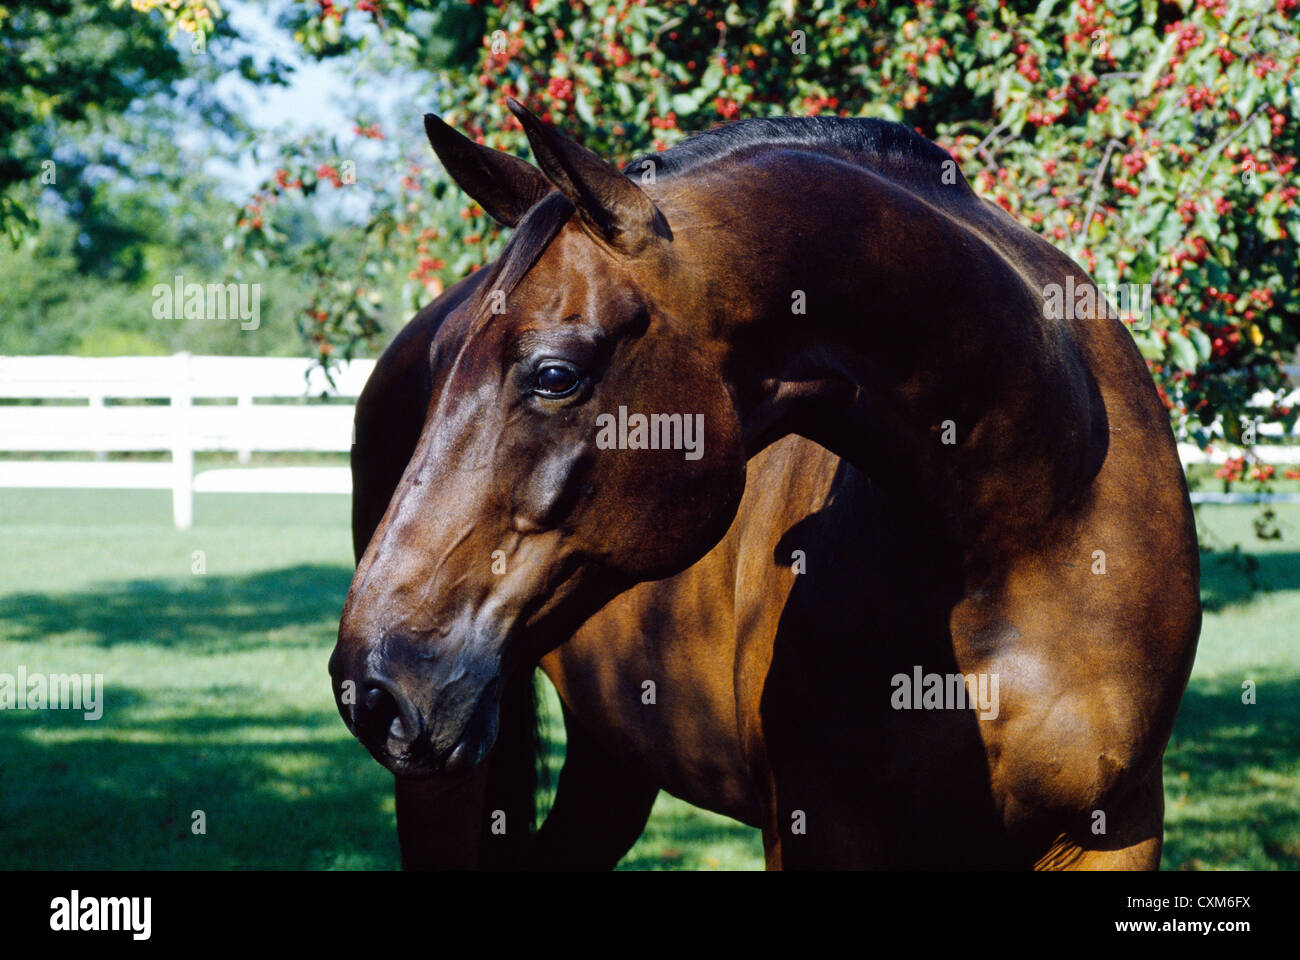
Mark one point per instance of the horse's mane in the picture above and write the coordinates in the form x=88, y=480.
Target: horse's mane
x=891, y=149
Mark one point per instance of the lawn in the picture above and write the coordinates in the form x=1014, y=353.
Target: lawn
x=217, y=699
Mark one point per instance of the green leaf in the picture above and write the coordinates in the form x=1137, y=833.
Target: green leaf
x=583, y=109
x=1217, y=275
x=1149, y=344
x=684, y=103
x=1246, y=102
x=1150, y=218
x=1170, y=232
x=1182, y=352
x=1201, y=342
x=1157, y=65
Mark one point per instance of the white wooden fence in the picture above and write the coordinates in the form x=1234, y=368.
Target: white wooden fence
x=1278, y=452
x=81, y=414
x=86, y=417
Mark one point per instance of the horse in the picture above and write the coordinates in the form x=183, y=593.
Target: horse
x=610, y=776
x=1004, y=513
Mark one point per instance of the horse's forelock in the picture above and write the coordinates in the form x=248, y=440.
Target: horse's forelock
x=531, y=238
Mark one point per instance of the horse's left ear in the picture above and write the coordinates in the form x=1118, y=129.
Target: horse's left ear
x=504, y=186
x=608, y=202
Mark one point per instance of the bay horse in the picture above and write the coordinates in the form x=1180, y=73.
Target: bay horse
x=612, y=770
x=975, y=490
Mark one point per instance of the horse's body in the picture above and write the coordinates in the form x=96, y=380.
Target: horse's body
x=1049, y=549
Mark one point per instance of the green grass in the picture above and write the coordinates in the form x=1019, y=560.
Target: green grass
x=216, y=694
x=217, y=698
x=1232, y=770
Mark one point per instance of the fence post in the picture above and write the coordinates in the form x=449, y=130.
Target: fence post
x=245, y=405
x=182, y=445
x=97, y=416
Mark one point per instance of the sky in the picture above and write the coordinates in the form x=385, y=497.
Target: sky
x=319, y=97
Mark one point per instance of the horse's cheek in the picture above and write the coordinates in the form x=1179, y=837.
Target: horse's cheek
x=688, y=505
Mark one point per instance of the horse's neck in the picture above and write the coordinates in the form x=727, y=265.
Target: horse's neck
x=923, y=356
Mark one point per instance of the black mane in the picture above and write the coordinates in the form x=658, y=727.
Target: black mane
x=891, y=149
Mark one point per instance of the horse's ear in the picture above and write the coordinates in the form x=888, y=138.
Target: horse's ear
x=503, y=185
x=608, y=202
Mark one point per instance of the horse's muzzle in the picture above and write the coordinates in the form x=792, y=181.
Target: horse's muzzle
x=419, y=716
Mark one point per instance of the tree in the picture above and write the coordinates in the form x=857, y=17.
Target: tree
x=1155, y=142
x=64, y=61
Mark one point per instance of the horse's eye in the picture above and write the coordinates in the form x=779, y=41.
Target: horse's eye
x=555, y=380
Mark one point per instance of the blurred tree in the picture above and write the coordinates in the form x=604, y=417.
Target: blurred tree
x=109, y=122
x=63, y=62
x=1155, y=142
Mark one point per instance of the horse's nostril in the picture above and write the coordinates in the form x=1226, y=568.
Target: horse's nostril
x=385, y=718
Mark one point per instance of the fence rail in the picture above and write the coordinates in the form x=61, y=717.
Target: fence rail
x=184, y=404
x=181, y=404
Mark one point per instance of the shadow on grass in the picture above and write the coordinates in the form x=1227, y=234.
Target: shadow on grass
x=289, y=788
x=1232, y=775
x=1229, y=578
x=280, y=786
x=81, y=795
x=208, y=614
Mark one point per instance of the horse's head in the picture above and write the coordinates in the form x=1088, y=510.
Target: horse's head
x=580, y=438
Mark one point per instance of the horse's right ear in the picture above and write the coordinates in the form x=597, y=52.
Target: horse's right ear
x=609, y=203
x=503, y=185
